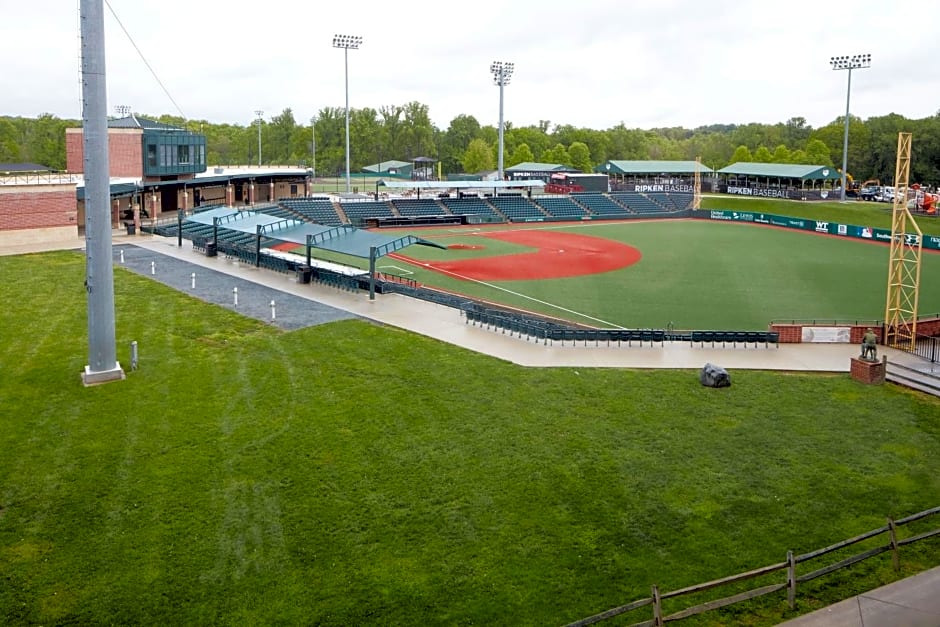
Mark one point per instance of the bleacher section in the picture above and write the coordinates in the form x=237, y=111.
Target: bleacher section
x=357, y=211
x=422, y=207
x=560, y=207
x=601, y=205
x=278, y=212
x=318, y=210
x=681, y=200
x=469, y=206
x=516, y=208
x=637, y=202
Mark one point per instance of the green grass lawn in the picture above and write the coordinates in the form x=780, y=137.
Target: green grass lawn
x=353, y=474
x=700, y=275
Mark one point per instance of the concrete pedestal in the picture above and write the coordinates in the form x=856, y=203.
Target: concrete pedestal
x=869, y=372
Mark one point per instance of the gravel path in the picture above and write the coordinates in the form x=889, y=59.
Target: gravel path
x=254, y=300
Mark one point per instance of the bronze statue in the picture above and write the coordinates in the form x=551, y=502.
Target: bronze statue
x=870, y=346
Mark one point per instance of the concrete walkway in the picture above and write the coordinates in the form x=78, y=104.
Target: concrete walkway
x=911, y=602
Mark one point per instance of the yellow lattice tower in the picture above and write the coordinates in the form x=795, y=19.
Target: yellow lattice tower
x=697, y=186
x=905, y=259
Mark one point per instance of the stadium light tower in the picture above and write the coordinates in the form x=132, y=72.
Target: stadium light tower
x=855, y=62
x=347, y=43
x=502, y=72
x=259, y=113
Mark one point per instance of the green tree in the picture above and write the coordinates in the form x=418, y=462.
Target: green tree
x=580, y=156
x=462, y=130
x=478, y=157
x=741, y=154
x=799, y=156
x=557, y=154
x=521, y=154
x=817, y=152
x=781, y=154
x=762, y=155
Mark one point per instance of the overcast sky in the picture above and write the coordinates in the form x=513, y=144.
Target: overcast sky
x=592, y=63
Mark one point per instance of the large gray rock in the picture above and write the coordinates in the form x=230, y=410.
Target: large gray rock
x=714, y=376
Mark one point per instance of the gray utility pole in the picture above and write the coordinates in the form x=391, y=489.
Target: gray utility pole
x=855, y=62
x=259, y=113
x=313, y=132
x=347, y=43
x=99, y=271
x=502, y=72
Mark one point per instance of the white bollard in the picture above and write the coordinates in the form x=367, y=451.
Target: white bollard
x=194, y=280
x=134, y=355
x=235, y=293
x=273, y=311
x=153, y=267
x=122, y=255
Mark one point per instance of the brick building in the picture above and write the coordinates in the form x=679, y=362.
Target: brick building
x=155, y=169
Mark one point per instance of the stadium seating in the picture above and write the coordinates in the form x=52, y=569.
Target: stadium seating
x=318, y=210
x=517, y=208
x=637, y=202
x=735, y=338
x=560, y=207
x=418, y=207
x=366, y=209
x=469, y=206
x=681, y=200
x=601, y=205
x=278, y=212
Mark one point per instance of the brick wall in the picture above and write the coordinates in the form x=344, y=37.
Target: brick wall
x=36, y=207
x=869, y=372
x=125, y=151
x=789, y=333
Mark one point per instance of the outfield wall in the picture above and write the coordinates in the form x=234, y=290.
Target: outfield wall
x=931, y=242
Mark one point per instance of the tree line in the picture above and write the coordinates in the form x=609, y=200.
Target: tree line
x=402, y=132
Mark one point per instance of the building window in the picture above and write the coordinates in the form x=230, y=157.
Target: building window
x=202, y=154
x=182, y=153
x=152, y=155
x=293, y=190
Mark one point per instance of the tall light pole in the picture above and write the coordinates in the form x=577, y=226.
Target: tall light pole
x=313, y=133
x=259, y=113
x=855, y=62
x=502, y=72
x=347, y=43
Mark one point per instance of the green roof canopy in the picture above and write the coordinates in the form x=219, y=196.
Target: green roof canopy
x=384, y=166
x=344, y=239
x=783, y=171
x=651, y=167
x=531, y=166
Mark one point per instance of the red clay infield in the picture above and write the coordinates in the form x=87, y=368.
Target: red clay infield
x=559, y=255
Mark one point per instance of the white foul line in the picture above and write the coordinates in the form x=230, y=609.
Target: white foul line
x=533, y=299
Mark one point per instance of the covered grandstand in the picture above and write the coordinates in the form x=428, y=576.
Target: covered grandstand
x=671, y=176
x=241, y=229
x=778, y=180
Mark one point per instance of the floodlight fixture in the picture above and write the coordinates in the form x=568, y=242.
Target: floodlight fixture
x=846, y=62
x=854, y=62
x=347, y=43
x=350, y=42
x=502, y=72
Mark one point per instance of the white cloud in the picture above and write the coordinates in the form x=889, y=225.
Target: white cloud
x=592, y=63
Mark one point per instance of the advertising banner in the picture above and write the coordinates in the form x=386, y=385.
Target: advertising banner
x=931, y=242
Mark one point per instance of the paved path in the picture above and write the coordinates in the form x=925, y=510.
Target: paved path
x=911, y=602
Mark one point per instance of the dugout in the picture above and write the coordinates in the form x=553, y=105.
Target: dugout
x=345, y=239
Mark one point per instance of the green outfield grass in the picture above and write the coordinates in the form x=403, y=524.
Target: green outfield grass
x=698, y=275
x=354, y=474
